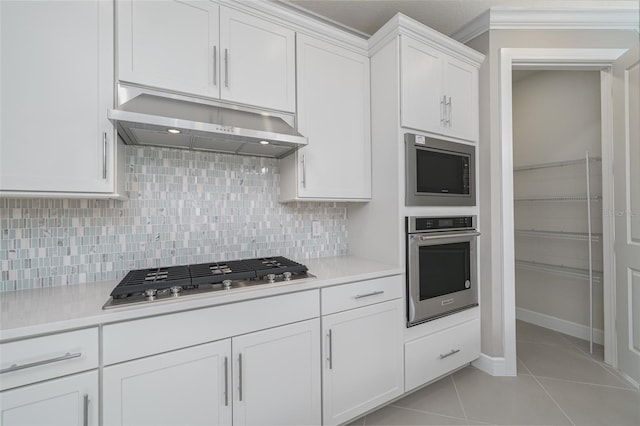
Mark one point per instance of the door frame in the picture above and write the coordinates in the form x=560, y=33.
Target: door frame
x=555, y=59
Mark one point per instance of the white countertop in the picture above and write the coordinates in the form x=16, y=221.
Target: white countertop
x=39, y=311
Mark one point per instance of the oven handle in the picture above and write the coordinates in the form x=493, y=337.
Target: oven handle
x=425, y=237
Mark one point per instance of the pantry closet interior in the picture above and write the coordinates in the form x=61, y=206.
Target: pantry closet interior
x=557, y=202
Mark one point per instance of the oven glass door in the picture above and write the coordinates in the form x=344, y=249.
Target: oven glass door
x=444, y=269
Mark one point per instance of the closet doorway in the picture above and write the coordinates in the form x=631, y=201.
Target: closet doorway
x=558, y=231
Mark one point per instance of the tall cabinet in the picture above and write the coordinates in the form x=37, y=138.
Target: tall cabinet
x=56, y=87
x=425, y=83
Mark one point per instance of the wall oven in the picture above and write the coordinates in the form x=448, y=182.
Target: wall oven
x=441, y=266
x=439, y=172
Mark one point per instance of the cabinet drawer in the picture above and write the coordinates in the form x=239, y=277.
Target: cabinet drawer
x=135, y=339
x=436, y=354
x=41, y=358
x=361, y=293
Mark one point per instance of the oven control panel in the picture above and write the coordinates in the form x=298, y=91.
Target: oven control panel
x=433, y=224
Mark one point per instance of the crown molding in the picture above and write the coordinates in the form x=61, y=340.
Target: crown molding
x=298, y=19
x=403, y=25
x=558, y=18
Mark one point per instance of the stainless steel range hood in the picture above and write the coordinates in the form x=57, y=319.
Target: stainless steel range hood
x=148, y=119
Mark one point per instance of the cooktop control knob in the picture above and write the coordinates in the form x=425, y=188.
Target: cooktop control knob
x=226, y=284
x=175, y=291
x=287, y=276
x=271, y=278
x=150, y=294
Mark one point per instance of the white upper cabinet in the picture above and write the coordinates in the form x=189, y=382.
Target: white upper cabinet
x=56, y=87
x=169, y=44
x=200, y=48
x=334, y=113
x=257, y=60
x=439, y=93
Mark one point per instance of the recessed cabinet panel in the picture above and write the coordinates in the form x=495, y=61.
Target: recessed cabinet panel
x=277, y=376
x=422, y=86
x=57, y=84
x=462, y=99
x=169, y=44
x=257, y=61
x=185, y=387
x=67, y=401
x=362, y=360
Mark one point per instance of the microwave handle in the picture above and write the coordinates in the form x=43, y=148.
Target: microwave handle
x=436, y=236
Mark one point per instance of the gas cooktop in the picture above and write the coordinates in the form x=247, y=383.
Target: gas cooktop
x=144, y=286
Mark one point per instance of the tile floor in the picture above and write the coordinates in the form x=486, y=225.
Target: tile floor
x=558, y=383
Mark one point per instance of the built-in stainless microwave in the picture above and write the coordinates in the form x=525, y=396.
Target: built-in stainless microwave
x=439, y=172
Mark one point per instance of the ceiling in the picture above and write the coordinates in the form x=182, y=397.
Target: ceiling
x=445, y=16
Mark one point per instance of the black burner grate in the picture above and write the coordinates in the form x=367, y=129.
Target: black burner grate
x=158, y=278
x=275, y=265
x=213, y=273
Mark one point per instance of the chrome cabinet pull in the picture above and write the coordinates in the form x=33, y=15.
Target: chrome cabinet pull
x=215, y=65
x=330, y=358
x=16, y=367
x=104, y=155
x=375, y=293
x=304, y=172
x=85, y=418
x=240, y=377
x=453, y=352
x=448, y=104
x=226, y=67
x=226, y=381
x=442, y=110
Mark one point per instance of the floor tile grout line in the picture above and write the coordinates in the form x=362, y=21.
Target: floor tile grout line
x=553, y=399
x=464, y=412
x=586, y=383
x=426, y=412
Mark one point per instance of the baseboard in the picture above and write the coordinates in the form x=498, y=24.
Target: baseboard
x=557, y=324
x=495, y=366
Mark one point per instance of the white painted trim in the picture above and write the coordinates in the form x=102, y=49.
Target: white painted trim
x=494, y=366
x=552, y=58
x=558, y=324
x=624, y=16
x=608, y=220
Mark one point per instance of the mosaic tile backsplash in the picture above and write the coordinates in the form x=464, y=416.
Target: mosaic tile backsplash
x=184, y=207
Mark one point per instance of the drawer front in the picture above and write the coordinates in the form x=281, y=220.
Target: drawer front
x=361, y=293
x=135, y=339
x=41, y=358
x=432, y=356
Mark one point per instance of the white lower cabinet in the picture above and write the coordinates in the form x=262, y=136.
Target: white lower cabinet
x=267, y=377
x=67, y=401
x=185, y=387
x=277, y=376
x=362, y=362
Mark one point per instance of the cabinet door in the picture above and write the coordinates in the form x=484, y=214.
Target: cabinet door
x=186, y=387
x=258, y=61
x=61, y=402
x=56, y=86
x=461, y=82
x=334, y=113
x=422, y=86
x=169, y=44
x=363, y=361
x=277, y=376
